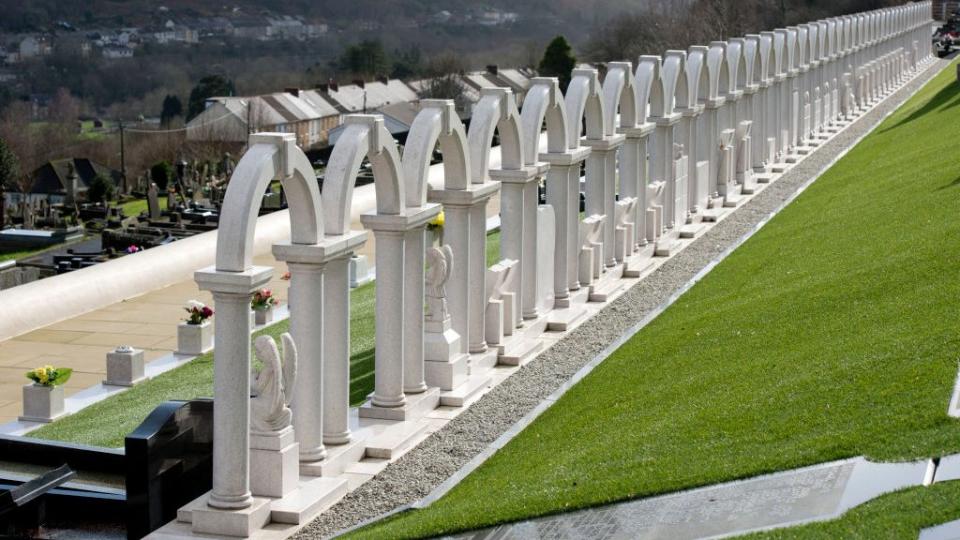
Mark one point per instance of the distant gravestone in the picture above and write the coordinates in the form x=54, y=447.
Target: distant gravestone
x=153, y=202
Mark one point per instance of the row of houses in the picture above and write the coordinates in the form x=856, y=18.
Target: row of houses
x=314, y=115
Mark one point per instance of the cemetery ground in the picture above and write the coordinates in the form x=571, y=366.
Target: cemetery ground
x=107, y=423
x=830, y=333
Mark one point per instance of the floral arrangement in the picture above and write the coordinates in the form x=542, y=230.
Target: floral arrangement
x=49, y=375
x=198, y=311
x=437, y=222
x=263, y=300
x=133, y=249
x=285, y=276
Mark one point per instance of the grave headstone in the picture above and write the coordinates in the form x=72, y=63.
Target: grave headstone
x=153, y=202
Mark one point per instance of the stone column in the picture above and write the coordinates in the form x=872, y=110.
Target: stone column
x=306, y=327
x=633, y=177
x=759, y=123
x=601, y=187
x=413, y=287
x=231, y=382
x=390, y=311
x=320, y=326
x=564, y=196
x=465, y=231
x=336, y=351
x=518, y=240
x=456, y=233
x=477, y=295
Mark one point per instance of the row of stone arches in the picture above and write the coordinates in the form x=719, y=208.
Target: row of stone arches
x=608, y=125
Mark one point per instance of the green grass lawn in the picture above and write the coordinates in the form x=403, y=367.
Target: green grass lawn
x=831, y=333
x=137, y=206
x=107, y=423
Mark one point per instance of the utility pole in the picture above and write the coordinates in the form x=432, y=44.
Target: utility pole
x=123, y=161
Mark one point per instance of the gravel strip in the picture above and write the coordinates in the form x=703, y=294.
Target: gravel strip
x=438, y=457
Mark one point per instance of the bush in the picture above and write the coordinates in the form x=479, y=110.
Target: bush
x=101, y=190
x=160, y=174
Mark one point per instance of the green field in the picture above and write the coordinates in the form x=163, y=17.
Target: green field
x=831, y=333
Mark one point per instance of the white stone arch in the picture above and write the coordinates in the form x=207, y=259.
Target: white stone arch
x=778, y=48
x=584, y=105
x=697, y=79
x=803, y=46
x=496, y=112
x=813, y=40
x=437, y=122
x=543, y=102
x=269, y=156
x=682, y=94
x=765, y=44
x=364, y=137
x=662, y=99
x=619, y=97
x=735, y=64
x=718, y=70
x=751, y=56
x=645, y=80
x=791, y=49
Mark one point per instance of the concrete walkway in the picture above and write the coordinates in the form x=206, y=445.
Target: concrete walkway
x=147, y=322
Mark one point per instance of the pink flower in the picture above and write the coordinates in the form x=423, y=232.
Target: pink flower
x=207, y=312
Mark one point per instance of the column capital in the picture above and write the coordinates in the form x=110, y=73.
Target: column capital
x=639, y=131
x=567, y=158
x=474, y=194
x=606, y=144
x=239, y=283
x=331, y=247
x=528, y=173
x=411, y=218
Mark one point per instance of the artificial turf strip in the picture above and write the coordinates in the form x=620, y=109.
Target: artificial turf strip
x=899, y=515
x=831, y=333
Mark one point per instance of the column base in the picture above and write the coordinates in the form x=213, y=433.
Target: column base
x=464, y=392
x=414, y=407
x=339, y=457
x=239, y=523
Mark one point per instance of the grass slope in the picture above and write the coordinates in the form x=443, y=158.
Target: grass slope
x=831, y=333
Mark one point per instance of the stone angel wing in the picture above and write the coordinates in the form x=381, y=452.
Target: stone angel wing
x=289, y=366
x=448, y=259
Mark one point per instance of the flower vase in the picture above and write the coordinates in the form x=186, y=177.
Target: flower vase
x=42, y=403
x=194, y=339
x=264, y=315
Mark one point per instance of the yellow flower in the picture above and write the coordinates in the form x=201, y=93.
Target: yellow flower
x=439, y=220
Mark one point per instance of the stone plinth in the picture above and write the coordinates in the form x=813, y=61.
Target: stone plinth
x=274, y=463
x=445, y=366
x=42, y=403
x=124, y=367
x=194, y=339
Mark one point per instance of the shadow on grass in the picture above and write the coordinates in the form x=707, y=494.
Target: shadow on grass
x=362, y=385
x=947, y=97
x=954, y=183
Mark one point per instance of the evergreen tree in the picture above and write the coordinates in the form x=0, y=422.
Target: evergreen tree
x=208, y=87
x=558, y=61
x=9, y=167
x=172, y=108
x=101, y=190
